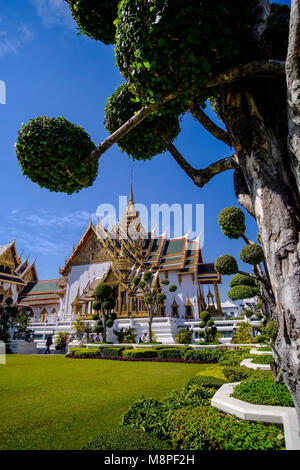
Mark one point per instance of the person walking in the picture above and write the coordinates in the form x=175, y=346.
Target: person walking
x=48, y=344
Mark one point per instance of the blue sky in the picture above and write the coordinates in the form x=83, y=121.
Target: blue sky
x=48, y=69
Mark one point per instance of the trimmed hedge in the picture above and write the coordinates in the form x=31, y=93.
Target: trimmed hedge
x=233, y=358
x=212, y=355
x=126, y=439
x=206, y=381
x=238, y=373
x=84, y=352
x=137, y=353
x=111, y=351
x=263, y=392
x=171, y=353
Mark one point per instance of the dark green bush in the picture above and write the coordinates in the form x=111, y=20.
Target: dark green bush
x=111, y=351
x=184, y=336
x=212, y=355
x=233, y=358
x=96, y=18
x=238, y=373
x=126, y=439
x=53, y=152
x=171, y=353
x=226, y=264
x=84, y=352
x=242, y=292
x=263, y=392
x=232, y=222
x=205, y=428
x=242, y=279
x=265, y=348
x=206, y=381
x=252, y=254
x=140, y=353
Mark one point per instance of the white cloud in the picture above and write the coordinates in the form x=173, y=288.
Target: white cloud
x=12, y=43
x=53, y=12
x=48, y=218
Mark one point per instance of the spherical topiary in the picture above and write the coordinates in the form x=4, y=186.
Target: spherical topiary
x=252, y=254
x=96, y=306
x=161, y=298
x=172, y=288
x=232, y=222
x=53, y=152
x=136, y=280
x=142, y=284
x=142, y=142
x=226, y=264
x=147, y=276
x=148, y=298
x=242, y=292
x=242, y=279
x=109, y=304
x=165, y=282
x=102, y=291
x=109, y=323
x=205, y=316
x=98, y=329
x=166, y=46
x=113, y=316
x=95, y=18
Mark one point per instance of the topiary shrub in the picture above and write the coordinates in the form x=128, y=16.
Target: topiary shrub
x=137, y=353
x=158, y=56
x=142, y=142
x=252, y=254
x=206, y=381
x=211, y=355
x=242, y=292
x=53, y=152
x=226, y=264
x=232, y=222
x=271, y=330
x=112, y=351
x=84, y=352
x=171, y=353
x=126, y=439
x=102, y=291
x=95, y=18
x=242, y=280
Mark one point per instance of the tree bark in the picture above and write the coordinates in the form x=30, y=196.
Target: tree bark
x=254, y=114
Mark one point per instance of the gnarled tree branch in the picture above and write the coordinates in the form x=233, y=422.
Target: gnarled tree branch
x=202, y=176
x=208, y=124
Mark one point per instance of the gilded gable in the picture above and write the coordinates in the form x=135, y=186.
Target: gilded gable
x=92, y=252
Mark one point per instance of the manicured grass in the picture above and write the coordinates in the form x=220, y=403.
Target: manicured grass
x=59, y=403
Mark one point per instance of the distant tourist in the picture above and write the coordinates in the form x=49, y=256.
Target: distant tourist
x=144, y=338
x=48, y=344
x=92, y=338
x=63, y=344
x=97, y=338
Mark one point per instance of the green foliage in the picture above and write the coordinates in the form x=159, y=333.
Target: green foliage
x=265, y=359
x=95, y=18
x=252, y=254
x=8, y=317
x=205, y=428
x=165, y=46
x=53, y=152
x=140, y=353
x=265, y=349
x=79, y=326
x=126, y=439
x=112, y=351
x=271, y=330
x=102, y=291
x=84, y=352
x=206, y=381
x=242, y=279
x=142, y=142
x=263, y=392
x=126, y=335
x=184, y=336
x=147, y=276
x=169, y=353
x=203, y=354
x=238, y=373
x=233, y=358
x=226, y=264
x=161, y=298
x=109, y=323
x=172, y=288
x=165, y=282
x=210, y=331
x=243, y=333
x=242, y=292
x=232, y=222
x=60, y=336
x=98, y=329
x=136, y=280
x=109, y=304
x=96, y=306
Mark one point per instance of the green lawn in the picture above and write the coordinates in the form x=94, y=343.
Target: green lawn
x=59, y=403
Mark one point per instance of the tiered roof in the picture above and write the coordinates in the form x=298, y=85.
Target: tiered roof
x=41, y=293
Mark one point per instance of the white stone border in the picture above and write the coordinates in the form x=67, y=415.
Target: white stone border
x=248, y=363
x=268, y=414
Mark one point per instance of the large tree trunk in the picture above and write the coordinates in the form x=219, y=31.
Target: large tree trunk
x=255, y=114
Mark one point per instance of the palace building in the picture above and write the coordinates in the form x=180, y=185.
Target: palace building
x=115, y=256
